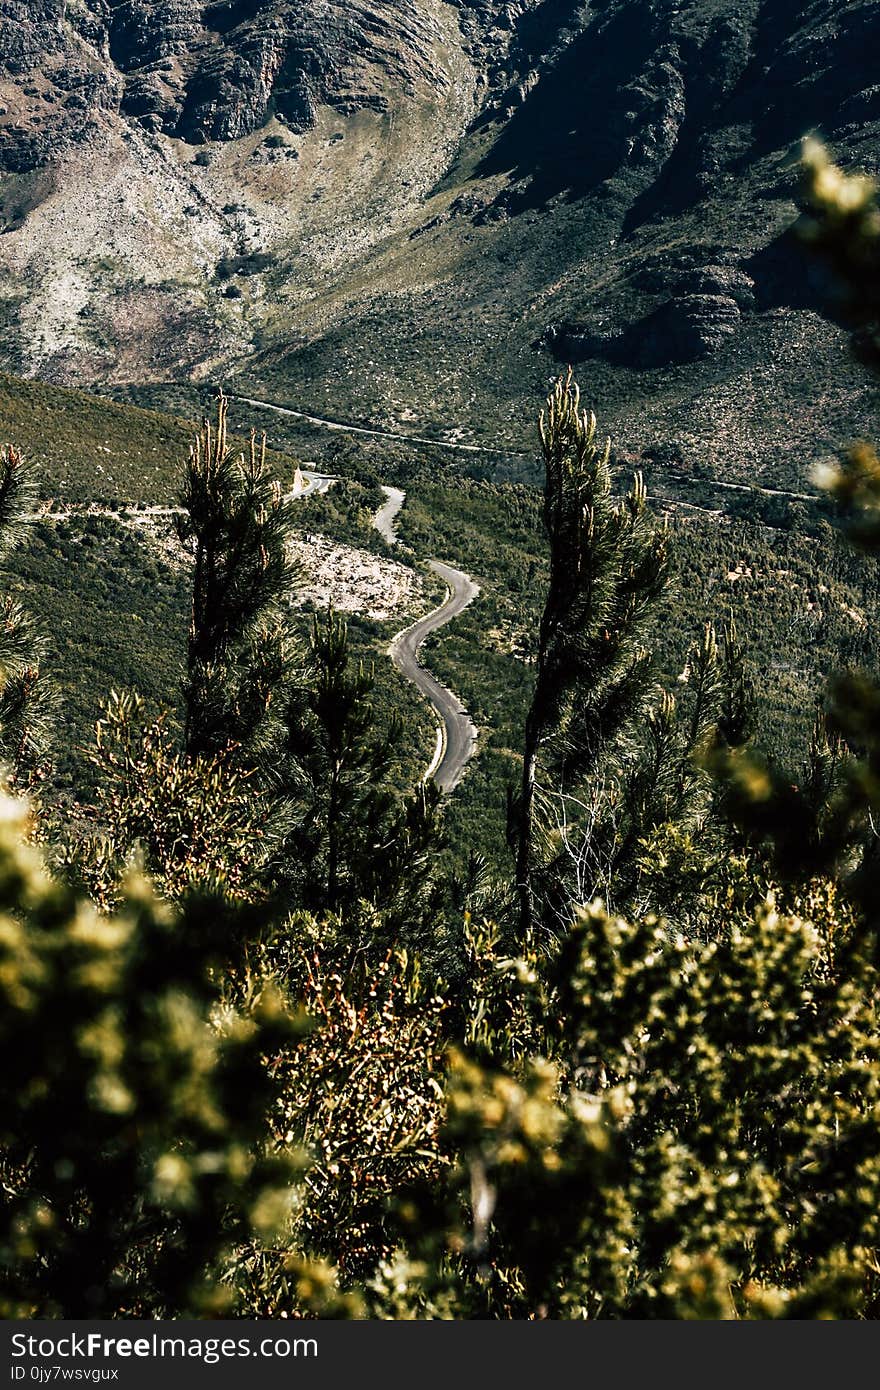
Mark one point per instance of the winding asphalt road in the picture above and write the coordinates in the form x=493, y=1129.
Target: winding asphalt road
x=386, y=516
x=457, y=735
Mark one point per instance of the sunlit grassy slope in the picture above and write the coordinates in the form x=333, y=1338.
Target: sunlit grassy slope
x=86, y=448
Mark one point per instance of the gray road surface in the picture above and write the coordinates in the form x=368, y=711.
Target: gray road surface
x=386, y=516
x=459, y=733
x=317, y=482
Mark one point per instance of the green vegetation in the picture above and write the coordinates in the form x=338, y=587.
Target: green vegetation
x=129, y=1117
x=801, y=600
x=318, y=1069
x=114, y=616
x=86, y=449
x=235, y=525
x=350, y=836
x=25, y=697
x=115, y=612
x=609, y=564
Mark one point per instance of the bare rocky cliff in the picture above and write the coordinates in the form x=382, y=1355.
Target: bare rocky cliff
x=220, y=70
x=146, y=147
x=411, y=211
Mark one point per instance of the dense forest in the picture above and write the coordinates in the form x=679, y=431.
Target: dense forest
x=283, y=1032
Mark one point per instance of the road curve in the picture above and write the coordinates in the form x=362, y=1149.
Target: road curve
x=315, y=482
x=458, y=735
x=384, y=520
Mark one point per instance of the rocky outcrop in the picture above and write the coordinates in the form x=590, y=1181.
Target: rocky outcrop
x=683, y=329
x=199, y=71
x=55, y=79
x=702, y=313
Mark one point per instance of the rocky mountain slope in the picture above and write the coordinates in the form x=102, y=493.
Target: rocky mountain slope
x=410, y=212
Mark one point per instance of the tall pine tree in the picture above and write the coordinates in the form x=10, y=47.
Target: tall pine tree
x=26, y=697
x=236, y=525
x=609, y=563
x=356, y=837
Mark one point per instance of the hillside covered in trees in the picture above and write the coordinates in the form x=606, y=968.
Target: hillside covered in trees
x=268, y=1050
x=439, y=704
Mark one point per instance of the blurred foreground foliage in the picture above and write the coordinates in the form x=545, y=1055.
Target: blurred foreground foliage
x=202, y=1116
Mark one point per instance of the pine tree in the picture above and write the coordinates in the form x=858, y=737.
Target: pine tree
x=204, y=810
x=26, y=698
x=355, y=837
x=236, y=525
x=649, y=832
x=736, y=716
x=608, y=565
x=674, y=850
x=666, y=779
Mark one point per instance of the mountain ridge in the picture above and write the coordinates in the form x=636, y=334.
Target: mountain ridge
x=411, y=214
